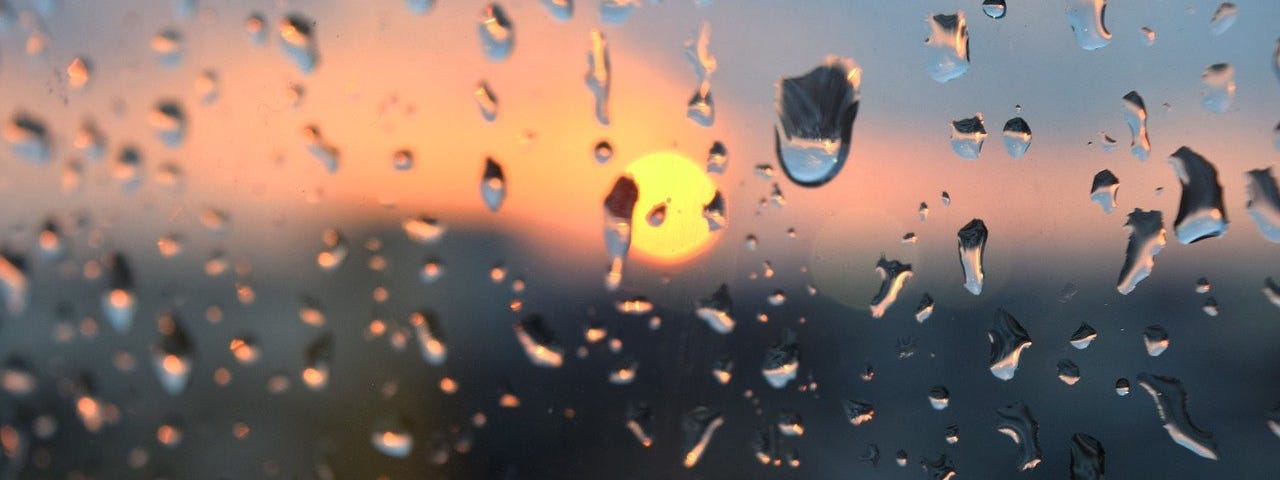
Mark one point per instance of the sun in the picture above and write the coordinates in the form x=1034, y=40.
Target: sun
x=668, y=225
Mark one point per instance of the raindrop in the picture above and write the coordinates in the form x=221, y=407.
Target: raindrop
x=619, y=206
x=1201, y=213
x=1104, y=190
x=994, y=8
x=172, y=355
x=391, y=437
x=78, y=72
x=967, y=135
x=598, y=74
x=561, y=10
x=497, y=35
x=1148, y=36
x=539, y=342
x=923, y=211
x=1271, y=290
x=1068, y=371
x=751, y=242
x=421, y=7
x=1202, y=285
x=28, y=138
x=624, y=373
x=1008, y=339
x=1171, y=404
x=640, y=422
x=1017, y=422
x=335, y=250
x=871, y=455
x=18, y=376
x=698, y=427
x=722, y=370
x=714, y=213
x=1264, y=202
x=493, y=186
x=702, y=108
x=1210, y=307
x=1219, y=85
x=402, y=160
x=816, y=112
x=319, y=360
x=168, y=46
x=657, y=215
x=119, y=303
x=617, y=11
x=782, y=360
x=951, y=434
x=1273, y=420
x=487, y=102
x=939, y=397
x=1017, y=137
x=431, y=271
x=1146, y=239
x=245, y=349
x=925, y=308
x=1088, y=459
x=1088, y=21
x=1122, y=386
x=426, y=327
x=207, y=86
x=909, y=238
x=765, y=445
x=90, y=140
x=299, y=41
x=858, y=412
x=169, y=121
x=949, y=46
x=603, y=151
x=972, y=246
x=14, y=283
x=716, y=310
x=893, y=275
x=423, y=229
x=1083, y=336
x=717, y=158
x=1156, y=339
x=319, y=148
x=1223, y=18
x=906, y=347
x=255, y=26
x=790, y=424
x=1136, y=115
x=901, y=459
x=946, y=199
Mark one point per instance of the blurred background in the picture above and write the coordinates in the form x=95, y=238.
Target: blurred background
x=242, y=158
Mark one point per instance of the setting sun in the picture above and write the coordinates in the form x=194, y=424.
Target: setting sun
x=678, y=231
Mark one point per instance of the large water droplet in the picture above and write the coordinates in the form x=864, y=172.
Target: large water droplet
x=1088, y=21
x=698, y=427
x=716, y=310
x=493, y=185
x=1135, y=114
x=1017, y=422
x=1223, y=18
x=173, y=355
x=994, y=8
x=497, y=35
x=1104, y=189
x=1008, y=339
x=1146, y=239
x=1219, y=87
x=893, y=275
x=816, y=113
x=1017, y=137
x=298, y=40
x=967, y=135
x=1201, y=213
x=1171, y=404
x=972, y=244
x=782, y=360
x=1088, y=459
x=948, y=45
x=1264, y=202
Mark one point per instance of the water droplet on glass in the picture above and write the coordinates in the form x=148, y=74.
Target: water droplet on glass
x=1219, y=87
x=1083, y=336
x=487, y=102
x=1171, y=404
x=168, y=46
x=172, y=355
x=946, y=199
x=493, y=185
x=790, y=424
x=1008, y=339
x=1201, y=213
x=319, y=148
x=994, y=8
x=119, y=303
x=717, y=158
x=858, y=412
x=1104, y=190
x=1088, y=459
x=1088, y=21
x=871, y=455
x=1068, y=371
x=702, y=108
x=698, y=427
x=1148, y=36
x=1264, y=202
x=1223, y=18
x=657, y=215
x=782, y=360
x=426, y=327
x=1017, y=137
x=18, y=376
x=1271, y=290
x=1210, y=307
x=169, y=245
x=561, y=10
x=924, y=309
x=640, y=422
x=603, y=151
x=765, y=445
x=1156, y=339
x=539, y=342
x=335, y=250
x=624, y=373
x=78, y=72
x=923, y=211
x=951, y=434
x=298, y=41
x=431, y=271
x=28, y=138
x=948, y=43
x=245, y=349
x=421, y=7
x=617, y=11
x=815, y=114
x=722, y=370
x=1017, y=422
x=1146, y=239
x=1273, y=420
x=939, y=397
x=714, y=213
x=497, y=35
x=972, y=245
x=893, y=275
x=319, y=360
x=391, y=437
x=619, y=206
x=967, y=135
x=716, y=310
x=599, y=74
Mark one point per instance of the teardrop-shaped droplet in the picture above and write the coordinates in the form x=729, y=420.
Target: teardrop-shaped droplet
x=714, y=213
x=1088, y=21
x=1083, y=336
x=939, y=397
x=173, y=355
x=497, y=35
x=391, y=437
x=493, y=185
x=487, y=102
x=1223, y=18
x=967, y=135
x=640, y=422
x=1017, y=137
x=816, y=112
x=858, y=412
x=426, y=327
x=1156, y=339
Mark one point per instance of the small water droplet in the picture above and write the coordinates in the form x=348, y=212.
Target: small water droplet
x=858, y=412
x=657, y=215
x=1148, y=36
x=782, y=360
x=1068, y=371
x=893, y=276
x=617, y=11
x=1264, y=202
x=335, y=250
x=1017, y=137
x=1219, y=87
x=599, y=74
x=1210, y=307
x=603, y=151
x=967, y=135
x=319, y=361
x=497, y=35
x=939, y=397
x=924, y=309
x=1104, y=190
x=29, y=138
x=1083, y=336
x=420, y=7
x=949, y=46
x=539, y=342
x=1156, y=339
x=1223, y=18
x=716, y=310
x=994, y=8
